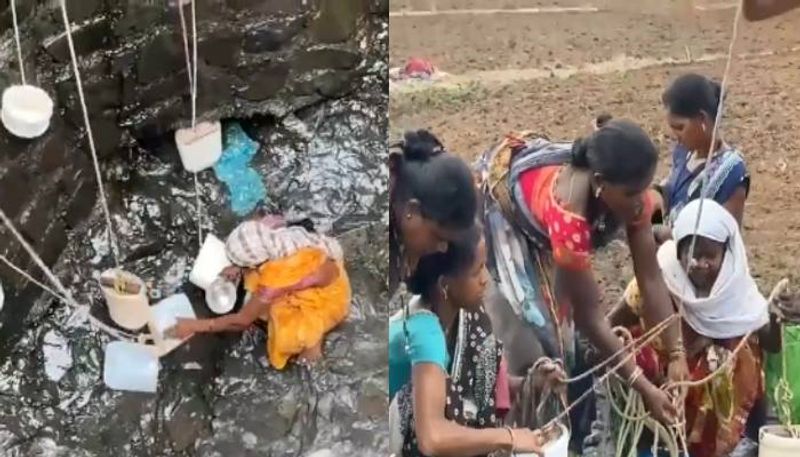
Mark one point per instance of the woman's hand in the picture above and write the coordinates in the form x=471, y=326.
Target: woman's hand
x=268, y=294
x=678, y=370
x=659, y=404
x=661, y=233
x=553, y=376
x=526, y=440
x=231, y=273
x=184, y=328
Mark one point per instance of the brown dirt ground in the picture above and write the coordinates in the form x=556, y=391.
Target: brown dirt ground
x=762, y=108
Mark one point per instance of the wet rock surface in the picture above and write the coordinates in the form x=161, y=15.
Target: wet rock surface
x=321, y=158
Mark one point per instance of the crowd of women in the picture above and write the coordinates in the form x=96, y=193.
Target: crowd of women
x=525, y=221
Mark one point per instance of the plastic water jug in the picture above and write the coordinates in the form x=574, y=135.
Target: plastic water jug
x=130, y=366
x=165, y=314
x=26, y=111
x=210, y=262
x=130, y=311
x=200, y=147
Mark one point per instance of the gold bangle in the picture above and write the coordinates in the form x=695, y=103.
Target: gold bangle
x=677, y=353
x=637, y=373
x=513, y=441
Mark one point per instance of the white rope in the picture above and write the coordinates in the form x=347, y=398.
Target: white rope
x=185, y=42
x=199, y=211
x=194, y=61
x=16, y=37
x=65, y=294
x=715, y=127
x=191, y=71
x=32, y=279
x=104, y=202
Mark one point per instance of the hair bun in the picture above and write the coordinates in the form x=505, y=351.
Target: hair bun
x=580, y=153
x=602, y=120
x=420, y=145
x=716, y=88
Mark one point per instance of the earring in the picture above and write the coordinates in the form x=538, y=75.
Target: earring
x=703, y=126
x=408, y=216
x=598, y=191
x=444, y=292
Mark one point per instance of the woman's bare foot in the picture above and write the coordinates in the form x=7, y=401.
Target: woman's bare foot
x=311, y=355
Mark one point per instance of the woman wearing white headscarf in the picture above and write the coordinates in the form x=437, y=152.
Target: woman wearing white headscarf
x=720, y=304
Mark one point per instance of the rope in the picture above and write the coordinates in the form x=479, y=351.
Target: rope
x=111, y=237
x=194, y=61
x=199, y=212
x=645, y=339
x=185, y=43
x=16, y=37
x=64, y=295
x=32, y=279
x=191, y=72
x=717, y=122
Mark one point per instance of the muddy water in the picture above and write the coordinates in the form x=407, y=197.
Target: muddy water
x=217, y=396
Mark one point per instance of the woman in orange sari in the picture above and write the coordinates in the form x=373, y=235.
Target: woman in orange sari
x=297, y=286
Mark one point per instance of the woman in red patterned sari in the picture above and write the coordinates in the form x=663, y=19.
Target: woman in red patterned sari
x=547, y=206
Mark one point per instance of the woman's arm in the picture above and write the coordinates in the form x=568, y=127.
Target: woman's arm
x=757, y=10
x=735, y=204
x=583, y=294
x=236, y=322
x=443, y=438
x=770, y=335
x=657, y=303
x=325, y=275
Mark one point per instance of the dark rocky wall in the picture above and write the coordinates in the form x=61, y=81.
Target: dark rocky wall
x=255, y=56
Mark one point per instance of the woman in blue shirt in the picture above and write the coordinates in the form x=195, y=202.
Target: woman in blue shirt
x=444, y=361
x=691, y=102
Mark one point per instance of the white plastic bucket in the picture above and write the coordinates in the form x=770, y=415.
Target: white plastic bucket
x=201, y=147
x=128, y=311
x=557, y=448
x=26, y=111
x=775, y=441
x=130, y=366
x=210, y=262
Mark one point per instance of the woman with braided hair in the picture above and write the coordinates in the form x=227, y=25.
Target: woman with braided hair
x=432, y=201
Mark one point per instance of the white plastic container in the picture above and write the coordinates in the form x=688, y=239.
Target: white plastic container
x=201, y=147
x=557, y=448
x=221, y=296
x=775, y=441
x=130, y=366
x=26, y=111
x=165, y=314
x=128, y=311
x=210, y=262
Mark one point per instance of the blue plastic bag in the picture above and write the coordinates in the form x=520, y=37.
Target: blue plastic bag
x=233, y=168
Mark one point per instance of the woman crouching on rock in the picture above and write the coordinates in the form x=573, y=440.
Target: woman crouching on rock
x=444, y=362
x=297, y=286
